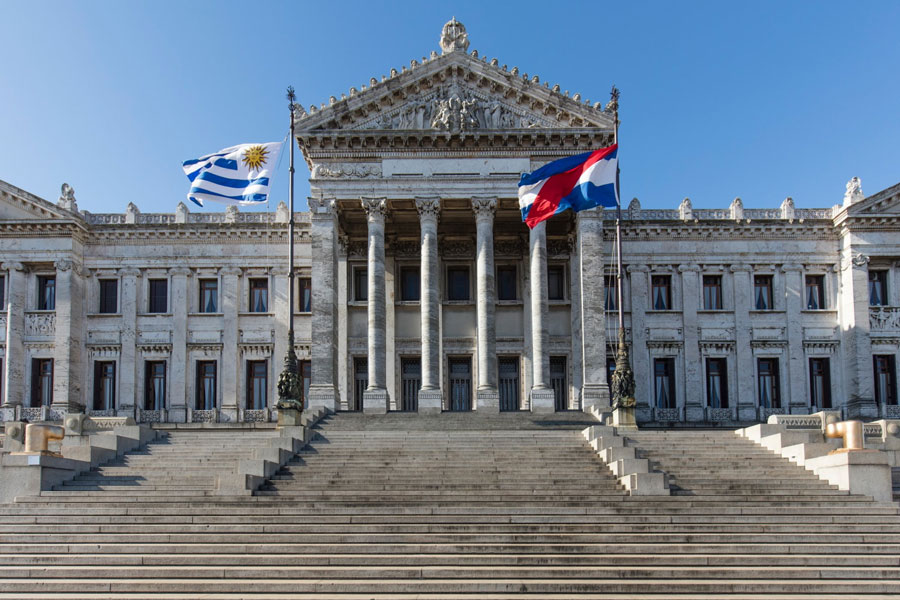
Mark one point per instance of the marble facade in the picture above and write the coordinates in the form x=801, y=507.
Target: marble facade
x=428, y=293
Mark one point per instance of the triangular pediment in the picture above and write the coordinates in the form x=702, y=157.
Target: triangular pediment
x=454, y=92
x=885, y=202
x=18, y=205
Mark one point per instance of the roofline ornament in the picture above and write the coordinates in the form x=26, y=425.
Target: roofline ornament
x=454, y=37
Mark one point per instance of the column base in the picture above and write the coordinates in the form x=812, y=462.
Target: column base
x=694, y=413
x=431, y=401
x=176, y=414
x=8, y=413
x=229, y=414
x=323, y=396
x=623, y=418
x=487, y=400
x=375, y=401
x=862, y=408
x=543, y=400
x=747, y=413
x=594, y=396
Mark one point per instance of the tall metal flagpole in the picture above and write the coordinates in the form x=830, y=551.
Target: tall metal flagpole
x=289, y=380
x=623, y=377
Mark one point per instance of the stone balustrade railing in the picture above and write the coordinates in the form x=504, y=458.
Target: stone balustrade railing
x=172, y=219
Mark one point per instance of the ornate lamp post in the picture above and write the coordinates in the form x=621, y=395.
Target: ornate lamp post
x=290, y=404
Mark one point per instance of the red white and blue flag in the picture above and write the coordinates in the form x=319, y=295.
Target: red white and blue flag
x=578, y=182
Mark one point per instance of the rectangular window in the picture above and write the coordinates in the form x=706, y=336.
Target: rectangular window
x=41, y=382
x=360, y=284
x=46, y=293
x=661, y=292
x=558, y=382
x=257, y=384
x=768, y=383
x=410, y=382
x=458, y=283
x=305, y=295
x=716, y=383
x=819, y=383
x=206, y=385
x=104, y=385
x=508, y=371
x=611, y=292
x=2, y=292
x=159, y=292
x=109, y=296
x=556, y=282
x=762, y=292
x=885, y=378
x=305, y=380
x=259, y=295
x=712, y=292
x=506, y=283
x=409, y=284
x=664, y=382
x=209, y=296
x=815, y=292
x=360, y=381
x=155, y=385
x=878, y=288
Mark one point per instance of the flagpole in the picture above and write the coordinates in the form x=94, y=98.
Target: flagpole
x=623, y=377
x=289, y=399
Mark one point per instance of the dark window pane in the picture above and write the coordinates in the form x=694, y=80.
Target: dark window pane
x=159, y=291
x=360, y=381
x=556, y=283
x=257, y=384
x=109, y=289
x=506, y=283
x=2, y=292
x=209, y=296
x=558, y=382
x=661, y=292
x=762, y=292
x=409, y=284
x=885, y=379
x=305, y=379
x=819, y=383
x=305, y=296
x=508, y=371
x=611, y=292
x=712, y=292
x=104, y=385
x=259, y=295
x=717, y=383
x=206, y=385
x=815, y=292
x=360, y=284
x=457, y=283
x=41, y=382
x=767, y=382
x=155, y=385
x=411, y=381
x=664, y=382
x=878, y=288
x=46, y=293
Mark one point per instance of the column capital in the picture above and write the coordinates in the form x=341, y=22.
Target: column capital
x=428, y=207
x=484, y=207
x=689, y=268
x=64, y=264
x=12, y=266
x=740, y=268
x=280, y=271
x=856, y=261
x=637, y=269
x=234, y=271
x=322, y=206
x=791, y=267
x=179, y=271
x=129, y=272
x=376, y=208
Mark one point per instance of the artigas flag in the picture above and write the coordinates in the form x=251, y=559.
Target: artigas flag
x=236, y=175
x=578, y=182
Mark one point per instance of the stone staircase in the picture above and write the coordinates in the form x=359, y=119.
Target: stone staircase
x=458, y=506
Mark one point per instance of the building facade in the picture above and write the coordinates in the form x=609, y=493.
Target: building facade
x=420, y=289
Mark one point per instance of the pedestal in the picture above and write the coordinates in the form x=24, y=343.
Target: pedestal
x=623, y=418
x=864, y=472
x=543, y=400
x=375, y=402
x=289, y=417
x=487, y=401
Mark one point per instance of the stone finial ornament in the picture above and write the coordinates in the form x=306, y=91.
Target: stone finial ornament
x=67, y=198
x=854, y=192
x=454, y=37
x=737, y=209
x=685, y=210
x=787, y=209
x=131, y=213
x=181, y=213
x=231, y=214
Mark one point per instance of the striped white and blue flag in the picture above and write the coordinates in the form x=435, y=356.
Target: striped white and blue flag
x=236, y=175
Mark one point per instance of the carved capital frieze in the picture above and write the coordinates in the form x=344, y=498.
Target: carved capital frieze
x=180, y=271
x=484, y=207
x=429, y=208
x=376, y=208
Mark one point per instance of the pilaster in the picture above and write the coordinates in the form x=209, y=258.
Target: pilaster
x=693, y=379
x=430, y=397
x=68, y=354
x=743, y=369
x=375, y=398
x=595, y=390
x=487, y=396
x=639, y=278
x=128, y=369
x=14, y=361
x=179, y=308
x=228, y=369
x=795, y=402
x=856, y=328
x=542, y=399
x=283, y=312
x=323, y=230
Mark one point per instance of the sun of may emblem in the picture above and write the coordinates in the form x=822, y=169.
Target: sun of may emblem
x=255, y=157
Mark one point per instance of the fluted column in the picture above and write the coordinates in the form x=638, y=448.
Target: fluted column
x=430, y=397
x=487, y=397
x=375, y=398
x=541, y=395
x=14, y=361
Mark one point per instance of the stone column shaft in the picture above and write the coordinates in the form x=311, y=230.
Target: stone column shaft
x=228, y=369
x=744, y=370
x=693, y=380
x=68, y=353
x=128, y=356
x=375, y=398
x=430, y=396
x=794, y=365
x=487, y=396
x=178, y=407
x=14, y=361
x=856, y=329
x=542, y=399
x=595, y=390
x=639, y=281
x=323, y=231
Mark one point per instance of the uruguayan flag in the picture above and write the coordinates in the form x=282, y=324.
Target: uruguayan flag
x=236, y=175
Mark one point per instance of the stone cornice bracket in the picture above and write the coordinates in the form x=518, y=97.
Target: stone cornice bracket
x=787, y=267
x=376, y=208
x=180, y=271
x=484, y=207
x=235, y=271
x=322, y=206
x=129, y=272
x=857, y=260
x=689, y=268
x=740, y=267
x=637, y=269
x=12, y=266
x=429, y=207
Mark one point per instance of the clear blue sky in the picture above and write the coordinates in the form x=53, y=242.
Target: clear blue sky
x=760, y=100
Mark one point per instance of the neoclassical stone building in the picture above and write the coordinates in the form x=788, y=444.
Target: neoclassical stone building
x=420, y=289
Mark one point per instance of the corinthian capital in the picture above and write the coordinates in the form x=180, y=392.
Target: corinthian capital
x=484, y=207
x=376, y=208
x=429, y=208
